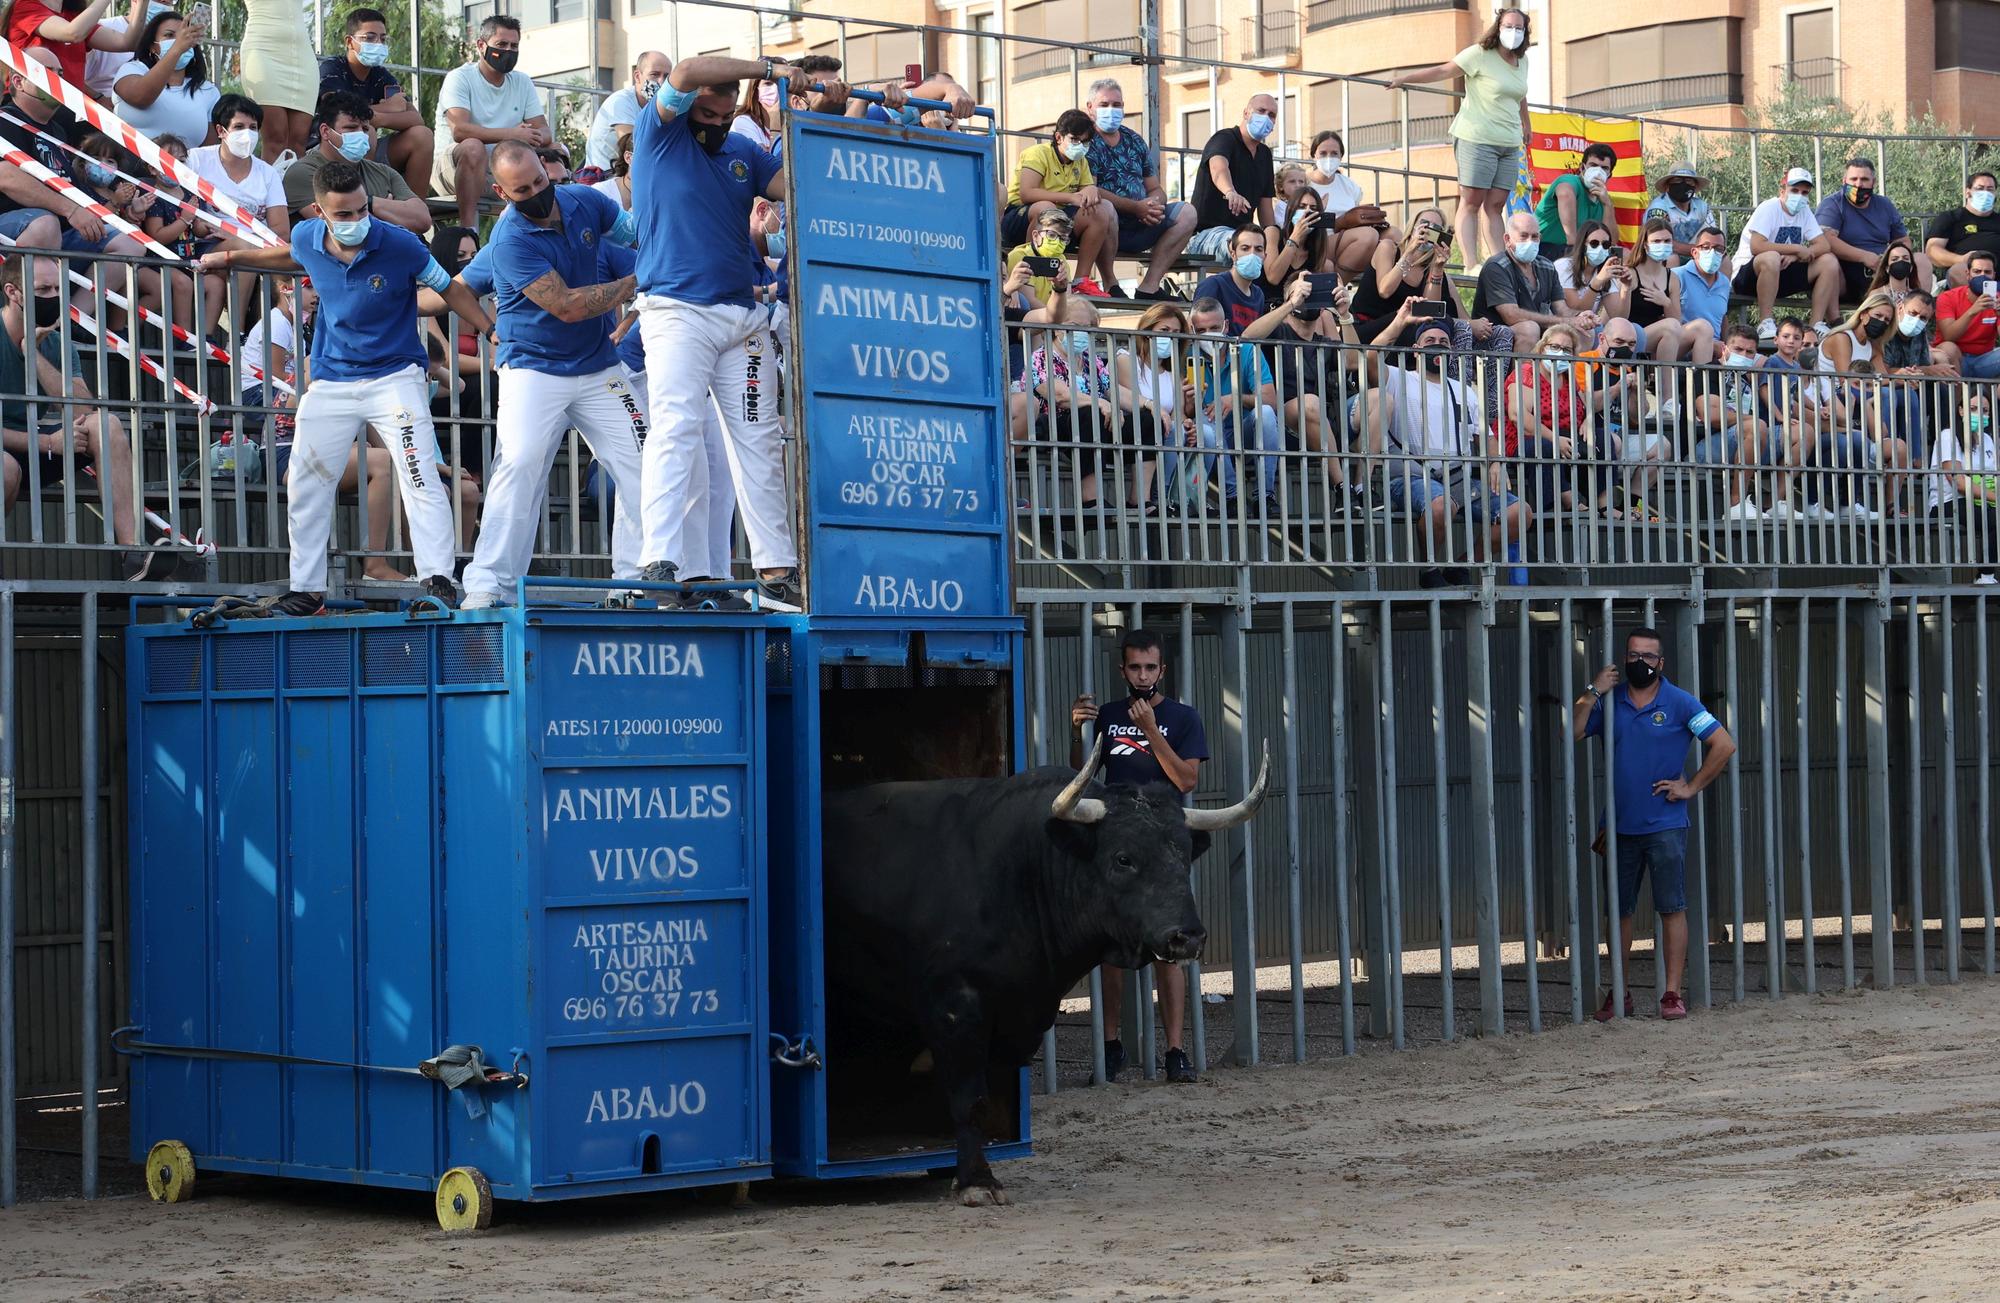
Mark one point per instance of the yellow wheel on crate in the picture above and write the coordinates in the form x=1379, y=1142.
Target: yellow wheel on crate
x=169, y=1172
x=464, y=1200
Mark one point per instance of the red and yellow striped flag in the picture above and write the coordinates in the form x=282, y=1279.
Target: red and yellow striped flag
x=1557, y=147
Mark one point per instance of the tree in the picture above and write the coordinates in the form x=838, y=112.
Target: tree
x=1923, y=176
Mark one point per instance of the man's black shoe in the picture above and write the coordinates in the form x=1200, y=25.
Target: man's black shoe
x=1178, y=1067
x=1457, y=576
x=1431, y=578
x=1114, y=1060
x=293, y=604
x=659, y=572
x=780, y=592
x=442, y=590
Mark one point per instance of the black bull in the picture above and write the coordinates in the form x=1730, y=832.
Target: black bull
x=960, y=912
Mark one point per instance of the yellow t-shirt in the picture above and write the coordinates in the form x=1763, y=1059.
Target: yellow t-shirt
x=1040, y=286
x=1494, y=89
x=1058, y=173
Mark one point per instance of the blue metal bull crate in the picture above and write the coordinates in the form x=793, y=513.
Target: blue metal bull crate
x=358, y=841
x=853, y=701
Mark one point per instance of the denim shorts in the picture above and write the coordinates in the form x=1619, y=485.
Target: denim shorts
x=1663, y=854
x=1136, y=238
x=1488, y=167
x=1411, y=492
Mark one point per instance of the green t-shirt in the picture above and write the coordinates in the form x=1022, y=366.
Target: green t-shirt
x=14, y=380
x=1494, y=89
x=1546, y=212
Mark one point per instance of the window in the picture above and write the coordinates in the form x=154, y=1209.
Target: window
x=1374, y=113
x=872, y=56
x=1177, y=167
x=643, y=7
x=1096, y=22
x=1809, y=36
x=1968, y=34
x=1648, y=68
x=985, y=61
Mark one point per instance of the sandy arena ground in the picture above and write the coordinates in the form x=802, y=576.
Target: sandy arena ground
x=1839, y=1146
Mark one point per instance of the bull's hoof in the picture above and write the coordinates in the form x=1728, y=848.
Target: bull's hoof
x=982, y=1196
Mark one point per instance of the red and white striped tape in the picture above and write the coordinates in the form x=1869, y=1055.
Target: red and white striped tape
x=44, y=78
x=63, y=186
x=212, y=351
x=118, y=345
x=222, y=224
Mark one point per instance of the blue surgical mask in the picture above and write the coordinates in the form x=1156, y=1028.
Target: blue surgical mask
x=350, y=233
x=774, y=242
x=1250, y=266
x=1707, y=261
x=372, y=54
x=354, y=144
x=1163, y=347
x=1079, y=341
x=98, y=174
x=1911, y=326
x=1660, y=250
x=434, y=390
x=1262, y=125
x=1738, y=360
x=1109, y=120
x=1795, y=203
x=1596, y=254
x=1525, y=250
x=1981, y=202
x=186, y=58
x=155, y=9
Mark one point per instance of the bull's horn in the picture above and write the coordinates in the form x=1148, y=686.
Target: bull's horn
x=1071, y=803
x=1230, y=816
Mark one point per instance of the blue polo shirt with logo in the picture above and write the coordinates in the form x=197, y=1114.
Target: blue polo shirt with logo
x=1700, y=298
x=693, y=209
x=1651, y=743
x=522, y=253
x=367, y=308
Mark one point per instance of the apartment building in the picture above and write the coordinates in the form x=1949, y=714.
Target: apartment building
x=1695, y=61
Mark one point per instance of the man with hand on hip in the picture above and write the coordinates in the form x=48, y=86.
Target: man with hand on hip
x=1651, y=725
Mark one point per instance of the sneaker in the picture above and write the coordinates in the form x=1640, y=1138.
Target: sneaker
x=1114, y=1060
x=781, y=592
x=1744, y=510
x=1767, y=329
x=1857, y=511
x=1178, y=1068
x=1671, y=1007
x=1823, y=328
x=1985, y=578
x=482, y=602
x=1604, y=1012
x=1088, y=288
x=659, y=572
x=1781, y=510
x=1431, y=578
x=292, y=604
x=1813, y=511
x=153, y=565
x=712, y=599
x=1457, y=576
x=441, y=590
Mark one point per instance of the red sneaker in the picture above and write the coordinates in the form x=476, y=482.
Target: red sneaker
x=1089, y=289
x=1671, y=1007
x=1604, y=1012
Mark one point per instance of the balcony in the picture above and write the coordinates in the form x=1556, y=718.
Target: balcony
x=1272, y=33
x=1049, y=60
x=1330, y=13
x=1817, y=79
x=1672, y=93
x=479, y=12
x=1377, y=137
x=1204, y=42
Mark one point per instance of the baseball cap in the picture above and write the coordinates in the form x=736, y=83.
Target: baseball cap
x=1797, y=175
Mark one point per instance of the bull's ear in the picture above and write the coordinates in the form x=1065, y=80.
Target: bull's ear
x=1200, y=840
x=1077, y=840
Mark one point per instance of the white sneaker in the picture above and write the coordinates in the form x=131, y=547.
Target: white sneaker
x=1856, y=511
x=1815, y=512
x=1986, y=577
x=1744, y=510
x=1767, y=329
x=482, y=602
x=1781, y=510
x=1823, y=329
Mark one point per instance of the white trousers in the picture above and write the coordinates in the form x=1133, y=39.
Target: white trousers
x=331, y=416
x=534, y=409
x=728, y=352
x=706, y=547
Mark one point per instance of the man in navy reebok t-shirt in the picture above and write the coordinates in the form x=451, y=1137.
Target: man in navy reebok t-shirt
x=1148, y=738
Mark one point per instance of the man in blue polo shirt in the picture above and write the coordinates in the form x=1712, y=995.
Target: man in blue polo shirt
x=558, y=368
x=1653, y=722
x=1149, y=739
x=694, y=183
x=367, y=368
x=1705, y=286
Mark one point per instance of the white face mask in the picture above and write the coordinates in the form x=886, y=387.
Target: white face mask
x=1596, y=174
x=242, y=142
x=1513, y=37
x=1327, y=164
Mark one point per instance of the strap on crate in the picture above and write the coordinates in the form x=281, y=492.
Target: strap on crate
x=453, y=1067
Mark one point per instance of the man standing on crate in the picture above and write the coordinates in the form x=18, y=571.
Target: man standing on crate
x=707, y=322
x=367, y=368
x=1652, y=723
x=557, y=366
x=1149, y=739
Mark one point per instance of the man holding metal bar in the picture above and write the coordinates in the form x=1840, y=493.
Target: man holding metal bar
x=1648, y=743
x=367, y=368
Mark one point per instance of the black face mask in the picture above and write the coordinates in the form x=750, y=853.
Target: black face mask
x=48, y=309
x=1640, y=674
x=502, y=61
x=1619, y=351
x=1679, y=193
x=1434, y=357
x=1875, y=329
x=710, y=135
x=1143, y=694
x=538, y=205
x=1902, y=271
